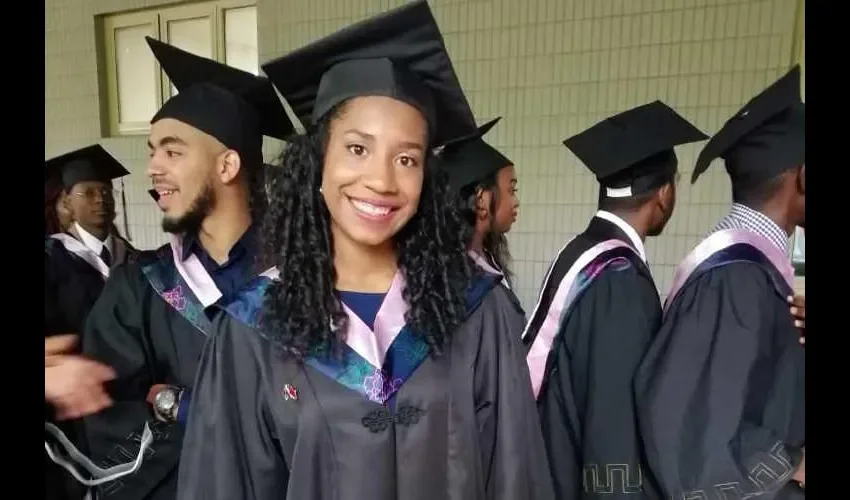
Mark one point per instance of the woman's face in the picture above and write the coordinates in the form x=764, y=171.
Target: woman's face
x=508, y=206
x=374, y=168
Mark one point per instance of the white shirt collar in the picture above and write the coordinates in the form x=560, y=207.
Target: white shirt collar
x=628, y=229
x=90, y=241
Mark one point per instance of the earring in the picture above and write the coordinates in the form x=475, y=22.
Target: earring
x=320, y=190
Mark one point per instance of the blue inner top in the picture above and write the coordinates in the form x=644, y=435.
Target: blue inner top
x=365, y=305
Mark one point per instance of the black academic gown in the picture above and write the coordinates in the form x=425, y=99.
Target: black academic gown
x=147, y=341
x=477, y=438
x=721, y=394
x=71, y=288
x=491, y=268
x=586, y=402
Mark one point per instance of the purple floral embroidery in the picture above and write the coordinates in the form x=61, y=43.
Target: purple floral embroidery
x=175, y=298
x=379, y=387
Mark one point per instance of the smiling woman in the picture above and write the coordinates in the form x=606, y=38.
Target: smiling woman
x=368, y=352
x=368, y=208
x=374, y=168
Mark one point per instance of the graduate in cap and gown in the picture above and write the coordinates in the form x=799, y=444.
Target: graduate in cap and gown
x=485, y=183
x=79, y=255
x=78, y=262
x=366, y=364
x=720, y=393
x=599, y=306
x=155, y=314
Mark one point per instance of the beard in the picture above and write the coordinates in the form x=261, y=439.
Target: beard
x=659, y=228
x=191, y=221
x=656, y=231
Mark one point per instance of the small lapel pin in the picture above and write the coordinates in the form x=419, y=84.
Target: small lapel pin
x=290, y=392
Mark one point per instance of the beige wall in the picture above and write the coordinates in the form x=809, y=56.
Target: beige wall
x=550, y=67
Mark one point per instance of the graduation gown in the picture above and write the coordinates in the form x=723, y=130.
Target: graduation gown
x=598, y=328
x=149, y=325
x=486, y=265
x=461, y=426
x=74, y=277
x=720, y=394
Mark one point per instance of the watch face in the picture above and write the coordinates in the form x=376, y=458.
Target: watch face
x=165, y=400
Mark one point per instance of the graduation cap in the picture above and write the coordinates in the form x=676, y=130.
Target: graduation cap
x=766, y=137
x=632, y=153
x=91, y=163
x=234, y=106
x=470, y=160
x=398, y=54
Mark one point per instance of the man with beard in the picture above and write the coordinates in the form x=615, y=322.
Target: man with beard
x=599, y=306
x=721, y=391
x=151, y=321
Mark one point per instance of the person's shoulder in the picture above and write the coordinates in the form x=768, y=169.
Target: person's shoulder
x=495, y=297
x=130, y=274
x=624, y=273
x=53, y=248
x=495, y=318
x=147, y=257
x=745, y=286
x=734, y=278
x=234, y=337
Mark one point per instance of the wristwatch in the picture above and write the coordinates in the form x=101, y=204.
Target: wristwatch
x=166, y=403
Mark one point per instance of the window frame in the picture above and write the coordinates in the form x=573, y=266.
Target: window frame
x=110, y=25
x=159, y=19
x=220, y=41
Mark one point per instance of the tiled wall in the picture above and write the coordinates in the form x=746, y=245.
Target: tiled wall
x=550, y=67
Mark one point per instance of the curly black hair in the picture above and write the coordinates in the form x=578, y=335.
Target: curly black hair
x=258, y=197
x=495, y=244
x=302, y=310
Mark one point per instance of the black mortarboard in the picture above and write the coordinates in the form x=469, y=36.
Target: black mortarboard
x=92, y=163
x=470, y=160
x=398, y=54
x=234, y=106
x=632, y=153
x=764, y=138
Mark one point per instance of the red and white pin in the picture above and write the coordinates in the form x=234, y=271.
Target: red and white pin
x=290, y=392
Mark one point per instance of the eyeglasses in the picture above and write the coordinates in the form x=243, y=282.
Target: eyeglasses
x=92, y=194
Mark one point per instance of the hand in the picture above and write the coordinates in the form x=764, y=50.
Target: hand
x=59, y=344
x=798, y=310
x=74, y=385
x=800, y=474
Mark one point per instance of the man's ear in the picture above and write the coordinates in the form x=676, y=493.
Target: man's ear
x=229, y=166
x=663, y=197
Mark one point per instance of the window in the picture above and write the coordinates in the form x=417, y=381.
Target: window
x=136, y=87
